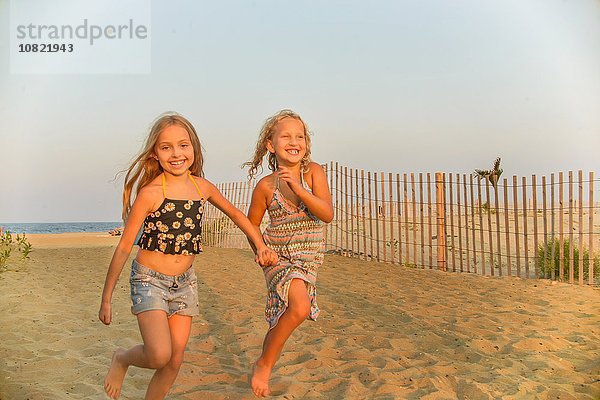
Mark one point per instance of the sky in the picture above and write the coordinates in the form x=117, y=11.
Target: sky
x=393, y=86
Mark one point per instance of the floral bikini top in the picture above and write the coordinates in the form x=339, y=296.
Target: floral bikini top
x=175, y=227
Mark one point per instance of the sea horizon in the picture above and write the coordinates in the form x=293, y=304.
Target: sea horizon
x=59, y=227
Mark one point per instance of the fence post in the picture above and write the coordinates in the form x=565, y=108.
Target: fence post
x=440, y=201
x=591, y=228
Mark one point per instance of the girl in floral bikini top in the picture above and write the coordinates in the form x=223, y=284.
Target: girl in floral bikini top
x=163, y=282
x=175, y=227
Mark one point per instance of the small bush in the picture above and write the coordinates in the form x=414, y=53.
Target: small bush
x=486, y=209
x=8, y=243
x=396, y=243
x=546, y=265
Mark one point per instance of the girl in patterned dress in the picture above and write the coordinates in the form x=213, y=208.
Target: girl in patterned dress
x=297, y=199
x=168, y=207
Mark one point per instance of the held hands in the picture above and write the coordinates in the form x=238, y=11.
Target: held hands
x=265, y=257
x=105, y=313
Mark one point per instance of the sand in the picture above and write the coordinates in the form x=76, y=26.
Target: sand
x=385, y=332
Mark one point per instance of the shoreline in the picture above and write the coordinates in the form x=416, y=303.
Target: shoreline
x=71, y=240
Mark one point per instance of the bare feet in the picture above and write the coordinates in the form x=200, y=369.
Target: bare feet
x=260, y=379
x=114, y=377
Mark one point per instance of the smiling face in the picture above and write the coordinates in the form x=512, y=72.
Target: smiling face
x=174, y=150
x=288, y=142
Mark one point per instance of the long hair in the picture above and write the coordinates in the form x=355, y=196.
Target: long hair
x=266, y=133
x=145, y=167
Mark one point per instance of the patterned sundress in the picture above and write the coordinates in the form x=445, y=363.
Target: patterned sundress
x=296, y=235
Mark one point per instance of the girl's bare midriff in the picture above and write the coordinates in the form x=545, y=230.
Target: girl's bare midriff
x=167, y=264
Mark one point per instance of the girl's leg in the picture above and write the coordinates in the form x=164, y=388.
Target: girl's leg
x=162, y=380
x=155, y=353
x=298, y=310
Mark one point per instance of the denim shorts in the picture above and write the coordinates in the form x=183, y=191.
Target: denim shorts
x=151, y=290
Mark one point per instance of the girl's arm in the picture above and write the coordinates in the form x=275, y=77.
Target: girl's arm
x=319, y=201
x=265, y=256
x=258, y=205
x=141, y=207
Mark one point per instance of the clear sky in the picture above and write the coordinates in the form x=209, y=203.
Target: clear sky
x=394, y=86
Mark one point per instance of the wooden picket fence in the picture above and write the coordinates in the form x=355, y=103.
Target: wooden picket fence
x=529, y=227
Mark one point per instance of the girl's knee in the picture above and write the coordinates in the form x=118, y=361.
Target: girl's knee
x=176, y=360
x=159, y=357
x=299, y=302
x=299, y=311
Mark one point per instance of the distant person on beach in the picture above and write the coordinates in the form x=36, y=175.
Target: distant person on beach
x=297, y=199
x=169, y=204
x=116, y=231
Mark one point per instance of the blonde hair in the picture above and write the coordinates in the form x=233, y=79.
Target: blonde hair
x=145, y=167
x=266, y=133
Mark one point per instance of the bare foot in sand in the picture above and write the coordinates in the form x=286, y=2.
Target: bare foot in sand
x=260, y=379
x=114, y=377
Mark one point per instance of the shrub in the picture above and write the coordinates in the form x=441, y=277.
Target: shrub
x=487, y=209
x=546, y=265
x=8, y=243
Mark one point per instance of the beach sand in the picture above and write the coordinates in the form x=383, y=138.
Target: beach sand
x=385, y=331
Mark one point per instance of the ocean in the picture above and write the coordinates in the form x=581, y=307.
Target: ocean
x=59, y=227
